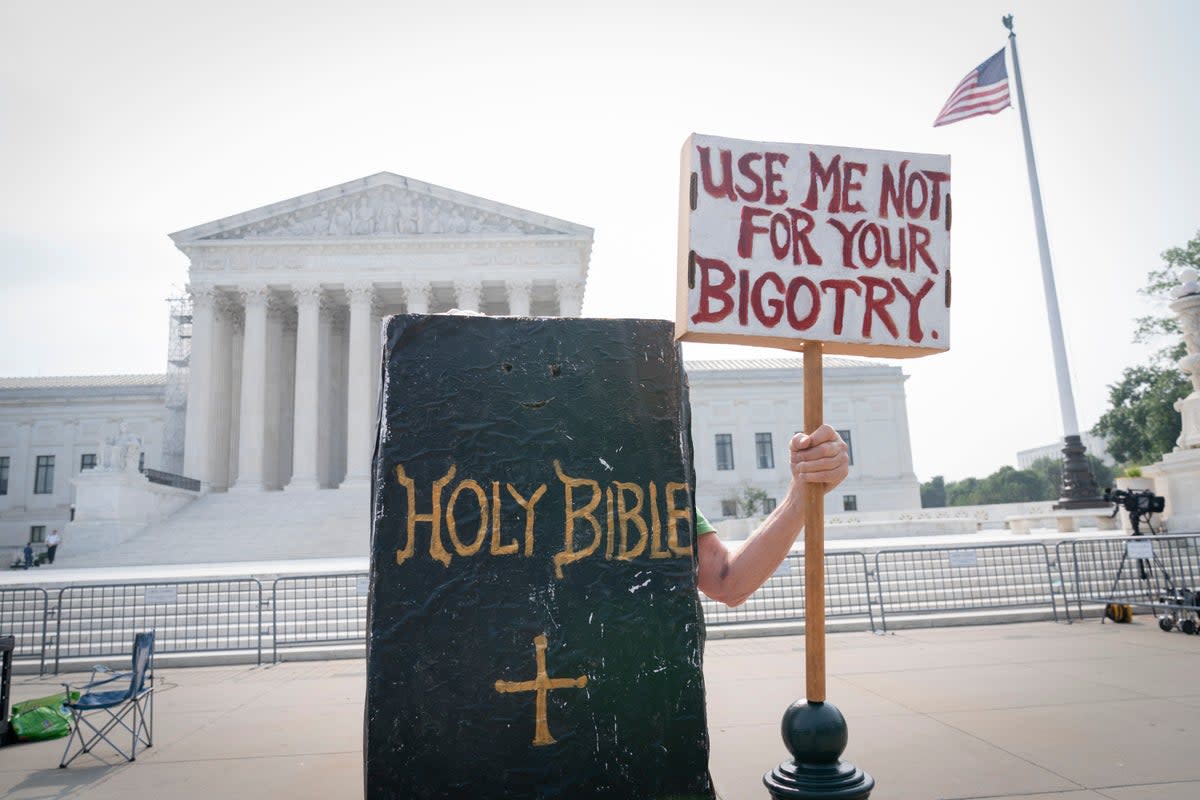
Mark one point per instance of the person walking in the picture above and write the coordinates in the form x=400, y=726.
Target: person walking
x=28, y=553
x=51, y=545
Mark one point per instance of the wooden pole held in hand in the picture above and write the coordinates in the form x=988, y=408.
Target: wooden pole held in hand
x=814, y=536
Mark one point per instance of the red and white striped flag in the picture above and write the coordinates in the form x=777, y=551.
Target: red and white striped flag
x=983, y=91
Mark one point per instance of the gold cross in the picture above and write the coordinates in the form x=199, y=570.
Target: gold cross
x=542, y=684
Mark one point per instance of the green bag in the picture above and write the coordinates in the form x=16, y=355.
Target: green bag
x=40, y=723
x=49, y=701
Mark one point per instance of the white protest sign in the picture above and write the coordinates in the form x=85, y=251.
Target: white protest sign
x=786, y=243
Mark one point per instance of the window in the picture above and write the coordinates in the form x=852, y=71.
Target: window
x=763, y=451
x=43, y=478
x=768, y=505
x=729, y=508
x=849, y=502
x=725, y=451
x=37, y=533
x=142, y=461
x=849, y=446
x=3, y=474
x=87, y=461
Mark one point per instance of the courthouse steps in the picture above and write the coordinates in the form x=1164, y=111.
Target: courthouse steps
x=238, y=526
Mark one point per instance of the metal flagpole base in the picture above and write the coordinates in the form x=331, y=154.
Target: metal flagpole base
x=1079, y=489
x=816, y=736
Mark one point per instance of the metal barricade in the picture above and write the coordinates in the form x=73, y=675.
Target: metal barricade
x=958, y=579
x=23, y=613
x=186, y=616
x=318, y=609
x=781, y=598
x=1158, y=572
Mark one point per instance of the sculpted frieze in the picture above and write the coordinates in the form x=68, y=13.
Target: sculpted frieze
x=381, y=212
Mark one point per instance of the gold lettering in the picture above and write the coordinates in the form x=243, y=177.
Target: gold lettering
x=528, y=506
x=434, y=518
x=674, y=515
x=452, y=525
x=656, y=545
x=569, y=554
x=612, y=525
x=498, y=549
x=625, y=516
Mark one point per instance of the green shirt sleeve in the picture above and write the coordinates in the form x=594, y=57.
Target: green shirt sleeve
x=703, y=525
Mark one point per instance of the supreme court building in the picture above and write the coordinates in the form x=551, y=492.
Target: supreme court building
x=273, y=360
x=286, y=308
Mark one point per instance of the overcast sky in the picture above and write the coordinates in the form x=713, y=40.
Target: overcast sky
x=123, y=122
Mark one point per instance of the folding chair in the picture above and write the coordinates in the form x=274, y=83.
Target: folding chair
x=131, y=707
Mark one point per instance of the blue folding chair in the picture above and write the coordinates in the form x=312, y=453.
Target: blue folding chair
x=130, y=708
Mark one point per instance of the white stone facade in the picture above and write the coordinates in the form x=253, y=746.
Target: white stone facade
x=62, y=424
x=286, y=309
x=273, y=363
x=745, y=412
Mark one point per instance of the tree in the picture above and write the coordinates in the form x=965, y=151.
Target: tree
x=1141, y=423
x=1049, y=472
x=1041, y=481
x=933, y=493
x=752, y=500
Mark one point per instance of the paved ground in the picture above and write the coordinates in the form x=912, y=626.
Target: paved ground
x=1039, y=711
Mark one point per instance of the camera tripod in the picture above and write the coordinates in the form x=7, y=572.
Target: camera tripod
x=1184, y=600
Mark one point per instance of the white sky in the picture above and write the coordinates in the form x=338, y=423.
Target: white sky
x=122, y=122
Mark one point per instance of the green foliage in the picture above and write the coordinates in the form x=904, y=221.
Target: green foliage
x=751, y=500
x=1141, y=423
x=933, y=493
x=1041, y=481
x=1159, y=283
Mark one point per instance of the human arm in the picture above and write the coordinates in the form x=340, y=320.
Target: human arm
x=731, y=576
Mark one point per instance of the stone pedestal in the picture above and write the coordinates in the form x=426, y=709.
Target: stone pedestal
x=112, y=496
x=120, y=499
x=1177, y=478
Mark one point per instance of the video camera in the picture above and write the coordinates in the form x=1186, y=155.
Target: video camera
x=1139, y=504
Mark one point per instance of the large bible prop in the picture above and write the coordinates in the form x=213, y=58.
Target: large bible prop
x=534, y=627
x=817, y=249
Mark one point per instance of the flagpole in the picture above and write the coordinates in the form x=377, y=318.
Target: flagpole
x=1079, y=487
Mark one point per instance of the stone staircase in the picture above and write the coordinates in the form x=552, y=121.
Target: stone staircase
x=237, y=526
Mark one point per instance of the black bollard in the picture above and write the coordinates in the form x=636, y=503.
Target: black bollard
x=816, y=736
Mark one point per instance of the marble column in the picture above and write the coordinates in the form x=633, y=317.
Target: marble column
x=417, y=297
x=361, y=367
x=469, y=294
x=287, y=396
x=332, y=382
x=307, y=391
x=226, y=324
x=198, y=425
x=570, y=299
x=274, y=375
x=252, y=430
x=519, y=298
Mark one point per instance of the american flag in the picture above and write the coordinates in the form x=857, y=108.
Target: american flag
x=983, y=91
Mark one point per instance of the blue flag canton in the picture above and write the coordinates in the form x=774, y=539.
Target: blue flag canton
x=993, y=70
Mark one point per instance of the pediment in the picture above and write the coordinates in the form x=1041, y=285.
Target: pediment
x=382, y=206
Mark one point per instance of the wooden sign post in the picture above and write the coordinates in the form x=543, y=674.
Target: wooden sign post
x=823, y=250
